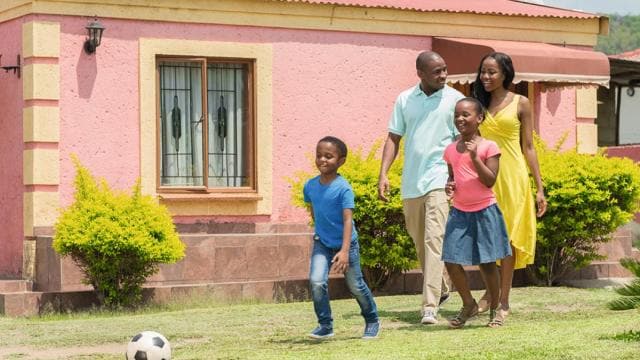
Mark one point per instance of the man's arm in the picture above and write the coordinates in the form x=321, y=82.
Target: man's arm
x=389, y=153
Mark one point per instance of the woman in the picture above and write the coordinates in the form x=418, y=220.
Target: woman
x=509, y=122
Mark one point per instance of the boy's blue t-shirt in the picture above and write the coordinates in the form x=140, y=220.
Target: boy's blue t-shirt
x=328, y=201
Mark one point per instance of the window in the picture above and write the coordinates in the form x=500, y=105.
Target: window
x=213, y=152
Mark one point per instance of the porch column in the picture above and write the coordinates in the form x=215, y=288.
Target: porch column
x=586, y=113
x=41, y=134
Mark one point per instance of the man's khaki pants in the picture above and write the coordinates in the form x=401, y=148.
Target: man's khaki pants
x=425, y=218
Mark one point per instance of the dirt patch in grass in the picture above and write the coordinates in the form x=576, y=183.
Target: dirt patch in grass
x=26, y=352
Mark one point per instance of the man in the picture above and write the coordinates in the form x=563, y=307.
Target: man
x=424, y=113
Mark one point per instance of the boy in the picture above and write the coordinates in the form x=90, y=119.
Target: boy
x=331, y=202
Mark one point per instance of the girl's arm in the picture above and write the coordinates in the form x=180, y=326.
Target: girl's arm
x=341, y=260
x=451, y=184
x=529, y=151
x=487, y=170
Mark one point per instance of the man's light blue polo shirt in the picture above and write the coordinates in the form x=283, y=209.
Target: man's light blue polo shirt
x=426, y=123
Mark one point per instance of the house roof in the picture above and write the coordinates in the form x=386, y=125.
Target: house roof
x=625, y=68
x=484, y=7
x=633, y=55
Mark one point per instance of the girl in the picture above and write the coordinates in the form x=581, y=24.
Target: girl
x=475, y=233
x=508, y=122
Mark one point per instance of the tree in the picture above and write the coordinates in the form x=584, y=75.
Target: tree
x=624, y=35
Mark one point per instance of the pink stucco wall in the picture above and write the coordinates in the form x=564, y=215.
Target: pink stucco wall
x=556, y=113
x=11, y=146
x=323, y=83
x=335, y=84
x=99, y=117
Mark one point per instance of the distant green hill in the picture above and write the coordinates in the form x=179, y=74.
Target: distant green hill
x=624, y=35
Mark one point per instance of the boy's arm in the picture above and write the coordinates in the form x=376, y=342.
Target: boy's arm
x=309, y=207
x=307, y=200
x=341, y=260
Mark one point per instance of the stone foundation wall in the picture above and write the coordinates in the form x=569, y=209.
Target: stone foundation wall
x=271, y=266
x=209, y=258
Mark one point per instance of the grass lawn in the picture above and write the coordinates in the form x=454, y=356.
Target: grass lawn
x=546, y=323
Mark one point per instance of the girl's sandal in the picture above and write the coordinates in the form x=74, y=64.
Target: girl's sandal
x=497, y=317
x=483, y=306
x=463, y=316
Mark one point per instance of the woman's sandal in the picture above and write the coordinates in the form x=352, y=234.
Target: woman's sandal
x=497, y=317
x=463, y=316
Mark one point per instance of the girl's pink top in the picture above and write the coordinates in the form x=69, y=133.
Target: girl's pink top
x=470, y=193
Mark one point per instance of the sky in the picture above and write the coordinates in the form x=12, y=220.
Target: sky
x=621, y=7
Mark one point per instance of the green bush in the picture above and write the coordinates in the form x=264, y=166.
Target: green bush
x=589, y=197
x=385, y=246
x=117, y=240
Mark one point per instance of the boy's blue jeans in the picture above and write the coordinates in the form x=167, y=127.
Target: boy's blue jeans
x=319, y=278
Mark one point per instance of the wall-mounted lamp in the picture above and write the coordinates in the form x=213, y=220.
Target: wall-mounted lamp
x=94, y=30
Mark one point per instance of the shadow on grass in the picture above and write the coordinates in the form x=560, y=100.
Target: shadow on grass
x=311, y=342
x=409, y=320
x=407, y=316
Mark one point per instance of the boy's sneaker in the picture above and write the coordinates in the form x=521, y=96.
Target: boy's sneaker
x=321, y=332
x=429, y=317
x=371, y=330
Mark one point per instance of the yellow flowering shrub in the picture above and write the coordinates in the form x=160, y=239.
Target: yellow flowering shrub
x=589, y=197
x=116, y=239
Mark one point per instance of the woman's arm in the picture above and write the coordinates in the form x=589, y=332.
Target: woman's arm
x=529, y=151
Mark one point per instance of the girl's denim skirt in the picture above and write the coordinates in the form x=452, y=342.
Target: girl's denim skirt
x=473, y=238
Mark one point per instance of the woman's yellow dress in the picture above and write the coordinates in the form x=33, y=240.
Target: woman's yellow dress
x=512, y=187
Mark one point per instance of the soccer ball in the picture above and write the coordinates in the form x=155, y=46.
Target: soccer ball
x=148, y=345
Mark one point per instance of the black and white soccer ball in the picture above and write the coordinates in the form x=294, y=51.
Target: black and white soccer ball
x=148, y=345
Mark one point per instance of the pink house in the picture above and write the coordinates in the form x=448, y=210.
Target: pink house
x=214, y=104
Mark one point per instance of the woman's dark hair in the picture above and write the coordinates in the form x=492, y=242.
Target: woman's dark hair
x=339, y=144
x=506, y=66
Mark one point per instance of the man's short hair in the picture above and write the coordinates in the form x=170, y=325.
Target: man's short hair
x=423, y=57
